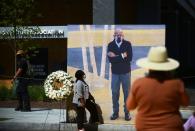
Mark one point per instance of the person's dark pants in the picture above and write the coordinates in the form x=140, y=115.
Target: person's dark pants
x=23, y=101
x=81, y=114
x=22, y=95
x=80, y=117
x=91, y=107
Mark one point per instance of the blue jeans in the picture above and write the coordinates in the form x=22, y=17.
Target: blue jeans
x=117, y=79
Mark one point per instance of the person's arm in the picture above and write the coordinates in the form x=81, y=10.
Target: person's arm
x=80, y=93
x=82, y=101
x=185, y=101
x=112, y=57
x=127, y=55
x=131, y=102
x=21, y=68
x=18, y=72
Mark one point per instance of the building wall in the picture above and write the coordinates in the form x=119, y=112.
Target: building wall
x=63, y=12
x=57, y=53
x=57, y=56
x=7, y=60
x=50, y=13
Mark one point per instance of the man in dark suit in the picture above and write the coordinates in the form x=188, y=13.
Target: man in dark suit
x=120, y=55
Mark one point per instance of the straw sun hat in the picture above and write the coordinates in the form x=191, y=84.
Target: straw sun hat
x=158, y=60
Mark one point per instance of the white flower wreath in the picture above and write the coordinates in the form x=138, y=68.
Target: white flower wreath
x=58, y=85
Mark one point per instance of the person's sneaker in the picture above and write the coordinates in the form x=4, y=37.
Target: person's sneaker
x=127, y=117
x=113, y=116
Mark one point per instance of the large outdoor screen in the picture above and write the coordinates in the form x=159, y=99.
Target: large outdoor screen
x=87, y=50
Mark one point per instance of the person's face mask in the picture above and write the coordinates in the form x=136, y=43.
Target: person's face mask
x=118, y=39
x=18, y=57
x=84, y=77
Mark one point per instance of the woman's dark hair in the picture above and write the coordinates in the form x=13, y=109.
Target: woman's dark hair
x=161, y=75
x=79, y=75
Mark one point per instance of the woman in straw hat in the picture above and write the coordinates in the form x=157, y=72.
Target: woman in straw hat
x=158, y=95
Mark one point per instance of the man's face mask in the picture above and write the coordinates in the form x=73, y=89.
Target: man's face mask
x=118, y=39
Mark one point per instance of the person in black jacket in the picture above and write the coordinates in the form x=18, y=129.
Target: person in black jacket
x=21, y=83
x=120, y=55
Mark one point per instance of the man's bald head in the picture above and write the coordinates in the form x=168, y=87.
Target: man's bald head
x=118, y=32
x=118, y=35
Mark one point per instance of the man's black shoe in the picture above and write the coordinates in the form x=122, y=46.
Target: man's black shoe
x=127, y=117
x=113, y=116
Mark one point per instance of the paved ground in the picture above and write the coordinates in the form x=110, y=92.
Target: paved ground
x=43, y=119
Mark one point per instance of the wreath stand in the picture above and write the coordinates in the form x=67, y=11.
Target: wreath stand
x=59, y=85
x=70, y=110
